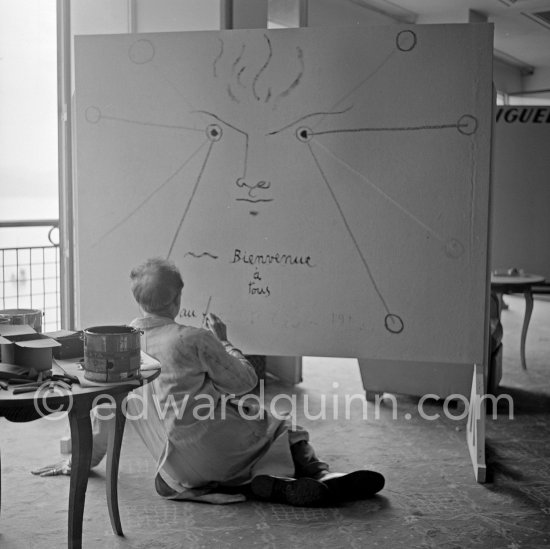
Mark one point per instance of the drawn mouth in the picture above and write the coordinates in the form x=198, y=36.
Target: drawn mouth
x=254, y=200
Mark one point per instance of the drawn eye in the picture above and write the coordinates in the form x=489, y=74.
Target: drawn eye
x=303, y=133
x=214, y=132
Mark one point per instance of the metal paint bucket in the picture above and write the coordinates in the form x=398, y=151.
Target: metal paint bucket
x=112, y=353
x=32, y=317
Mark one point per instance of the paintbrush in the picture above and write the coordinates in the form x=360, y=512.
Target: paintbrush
x=206, y=312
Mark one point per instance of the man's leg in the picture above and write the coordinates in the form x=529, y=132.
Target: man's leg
x=302, y=491
x=306, y=462
x=342, y=486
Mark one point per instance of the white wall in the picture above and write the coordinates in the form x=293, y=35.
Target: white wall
x=539, y=80
x=99, y=16
x=175, y=15
x=505, y=77
x=330, y=13
x=521, y=190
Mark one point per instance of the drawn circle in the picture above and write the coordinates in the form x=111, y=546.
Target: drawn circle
x=454, y=248
x=405, y=40
x=93, y=115
x=467, y=124
x=393, y=323
x=304, y=134
x=141, y=52
x=214, y=132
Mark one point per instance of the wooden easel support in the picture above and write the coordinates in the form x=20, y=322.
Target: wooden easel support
x=475, y=434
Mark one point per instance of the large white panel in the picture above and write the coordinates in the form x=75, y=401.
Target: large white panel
x=325, y=189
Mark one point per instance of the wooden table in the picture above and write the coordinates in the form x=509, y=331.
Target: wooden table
x=78, y=402
x=514, y=284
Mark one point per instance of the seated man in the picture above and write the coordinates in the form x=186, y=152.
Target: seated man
x=225, y=446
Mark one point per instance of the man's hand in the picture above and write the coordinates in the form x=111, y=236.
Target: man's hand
x=61, y=468
x=216, y=326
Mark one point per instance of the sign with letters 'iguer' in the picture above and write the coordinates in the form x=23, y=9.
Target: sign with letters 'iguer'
x=521, y=194
x=325, y=191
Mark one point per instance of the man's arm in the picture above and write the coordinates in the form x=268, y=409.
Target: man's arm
x=226, y=365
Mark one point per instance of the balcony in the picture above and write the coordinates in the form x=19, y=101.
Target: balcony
x=30, y=274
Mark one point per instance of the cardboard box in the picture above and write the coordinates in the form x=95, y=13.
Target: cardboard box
x=72, y=344
x=23, y=346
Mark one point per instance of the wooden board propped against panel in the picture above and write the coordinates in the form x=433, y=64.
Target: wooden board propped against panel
x=325, y=189
x=475, y=434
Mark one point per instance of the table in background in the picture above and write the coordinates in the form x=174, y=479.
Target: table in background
x=514, y=284
x=79, y=402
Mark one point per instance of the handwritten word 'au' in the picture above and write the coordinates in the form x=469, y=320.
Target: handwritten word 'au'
x=269, y=259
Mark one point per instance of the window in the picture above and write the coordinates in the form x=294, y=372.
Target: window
x=28, y=113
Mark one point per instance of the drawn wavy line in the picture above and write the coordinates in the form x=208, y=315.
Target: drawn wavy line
x=239, y=77
x=198, y=256
x=296, y=81
x=348, y=228
x=308, y=116
x=232, y=96
x=237, y=60
x=218, y=57
x=148, y=197
x=191, y=198
x=254, y=201
x=381, y=192
x=233, y=69
x=263, y=67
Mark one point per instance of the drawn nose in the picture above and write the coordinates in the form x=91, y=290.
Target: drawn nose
x=253, y=187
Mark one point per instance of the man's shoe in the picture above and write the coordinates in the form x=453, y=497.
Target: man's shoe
x=351, y=486
x=162, y=488
x=300, y=492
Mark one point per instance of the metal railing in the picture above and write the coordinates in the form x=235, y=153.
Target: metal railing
x=30, y=275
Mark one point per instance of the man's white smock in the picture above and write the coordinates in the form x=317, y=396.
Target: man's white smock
x=192, y=427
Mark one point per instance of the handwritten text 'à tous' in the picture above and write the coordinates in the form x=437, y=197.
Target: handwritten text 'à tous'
x=256, y=286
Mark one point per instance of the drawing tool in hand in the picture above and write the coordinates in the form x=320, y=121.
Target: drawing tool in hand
x=206, y=312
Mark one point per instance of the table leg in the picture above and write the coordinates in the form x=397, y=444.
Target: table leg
x=113, y=456
x=526, y=319
x=81, y=449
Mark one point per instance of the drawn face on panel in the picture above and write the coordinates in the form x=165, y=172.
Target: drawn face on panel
x=247, y=77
